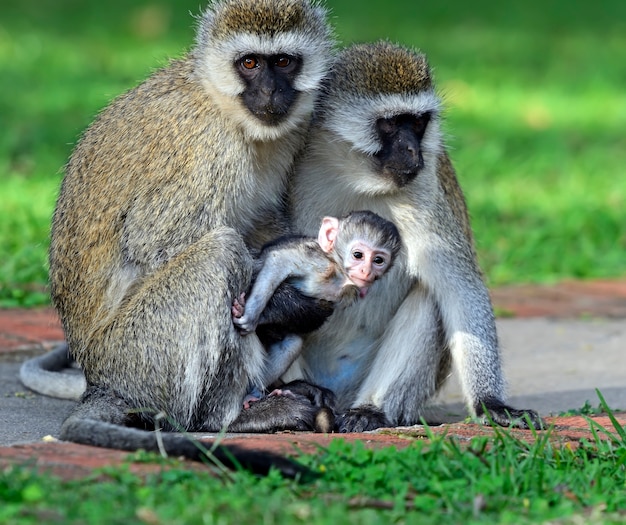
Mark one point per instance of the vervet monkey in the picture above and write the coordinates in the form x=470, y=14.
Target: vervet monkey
x=162, y=198
x=345, y=260
x=377, y=144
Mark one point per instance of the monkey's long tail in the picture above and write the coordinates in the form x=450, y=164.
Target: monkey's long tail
x=88, y=430
x=44, y=374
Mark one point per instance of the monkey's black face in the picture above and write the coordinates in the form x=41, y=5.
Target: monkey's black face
x=400, y=158
x=269, y=81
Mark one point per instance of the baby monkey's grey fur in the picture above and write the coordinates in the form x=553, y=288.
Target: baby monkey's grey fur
x=332, y=270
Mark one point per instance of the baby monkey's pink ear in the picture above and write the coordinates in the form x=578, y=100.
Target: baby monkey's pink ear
x=328, y=233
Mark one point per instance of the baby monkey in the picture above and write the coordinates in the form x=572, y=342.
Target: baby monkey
x=301, y=280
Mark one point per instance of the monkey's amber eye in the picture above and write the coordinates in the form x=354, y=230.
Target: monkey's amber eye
x=357, y=255
x=249, y=62
x=283, y=61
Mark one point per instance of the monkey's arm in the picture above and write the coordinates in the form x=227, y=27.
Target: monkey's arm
x=470, y=333
x=447, y=316
x=289, y=310
x=278, y=265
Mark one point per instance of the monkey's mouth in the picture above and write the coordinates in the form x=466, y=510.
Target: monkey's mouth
x=362, y=284
x=400, y=177
x=270, y=116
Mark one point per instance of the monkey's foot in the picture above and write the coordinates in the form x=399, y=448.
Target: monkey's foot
x=250, y=398
x=277, y=413
x=282, y=392
x=497, y=412
x=362, y=419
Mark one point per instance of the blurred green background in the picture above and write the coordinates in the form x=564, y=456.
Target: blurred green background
x=536, y=114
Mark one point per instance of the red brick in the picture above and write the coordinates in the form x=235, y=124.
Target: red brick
x=72, y=461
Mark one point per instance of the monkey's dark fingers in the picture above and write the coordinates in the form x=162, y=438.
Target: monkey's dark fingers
x=362, y=419
x=506, y=416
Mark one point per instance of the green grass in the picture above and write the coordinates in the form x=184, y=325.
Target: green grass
x=536, y=117
x=439, y=481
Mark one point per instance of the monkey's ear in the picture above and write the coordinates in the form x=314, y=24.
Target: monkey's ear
x=328, y=233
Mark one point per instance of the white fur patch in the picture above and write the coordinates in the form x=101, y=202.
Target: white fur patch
x=216, y=61
x=355, y=121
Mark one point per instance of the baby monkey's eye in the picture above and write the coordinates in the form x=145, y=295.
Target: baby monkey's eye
x=379, y=260
x=357, y=255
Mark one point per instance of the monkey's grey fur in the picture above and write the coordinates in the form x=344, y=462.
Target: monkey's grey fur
x=387, y=355
x=43, y=374
x=162, y=198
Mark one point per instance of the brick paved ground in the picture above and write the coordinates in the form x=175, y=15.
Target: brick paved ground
x=23, y=332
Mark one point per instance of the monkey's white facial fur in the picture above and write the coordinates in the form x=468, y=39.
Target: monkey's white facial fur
x=367, y=157
x=353, y=118
x=232, y=29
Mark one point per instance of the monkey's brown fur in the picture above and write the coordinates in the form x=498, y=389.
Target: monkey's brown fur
x=162, y=198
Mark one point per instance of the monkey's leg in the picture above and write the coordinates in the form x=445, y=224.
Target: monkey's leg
x=406, y=371
x=471, y=336
x=275, y=413
x=318, y=395
x=300, y=405
x=280, y=355
x=172, y=347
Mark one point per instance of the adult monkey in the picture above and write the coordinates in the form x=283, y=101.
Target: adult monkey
x=162, y=197
x=376, y=144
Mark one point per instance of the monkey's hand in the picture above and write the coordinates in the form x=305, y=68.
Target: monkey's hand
x=246, y=323
x=362, y=419
x=252, y=397
x=239, y=306
x=497, y=412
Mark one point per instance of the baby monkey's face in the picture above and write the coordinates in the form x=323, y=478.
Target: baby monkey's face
x=365, y=263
